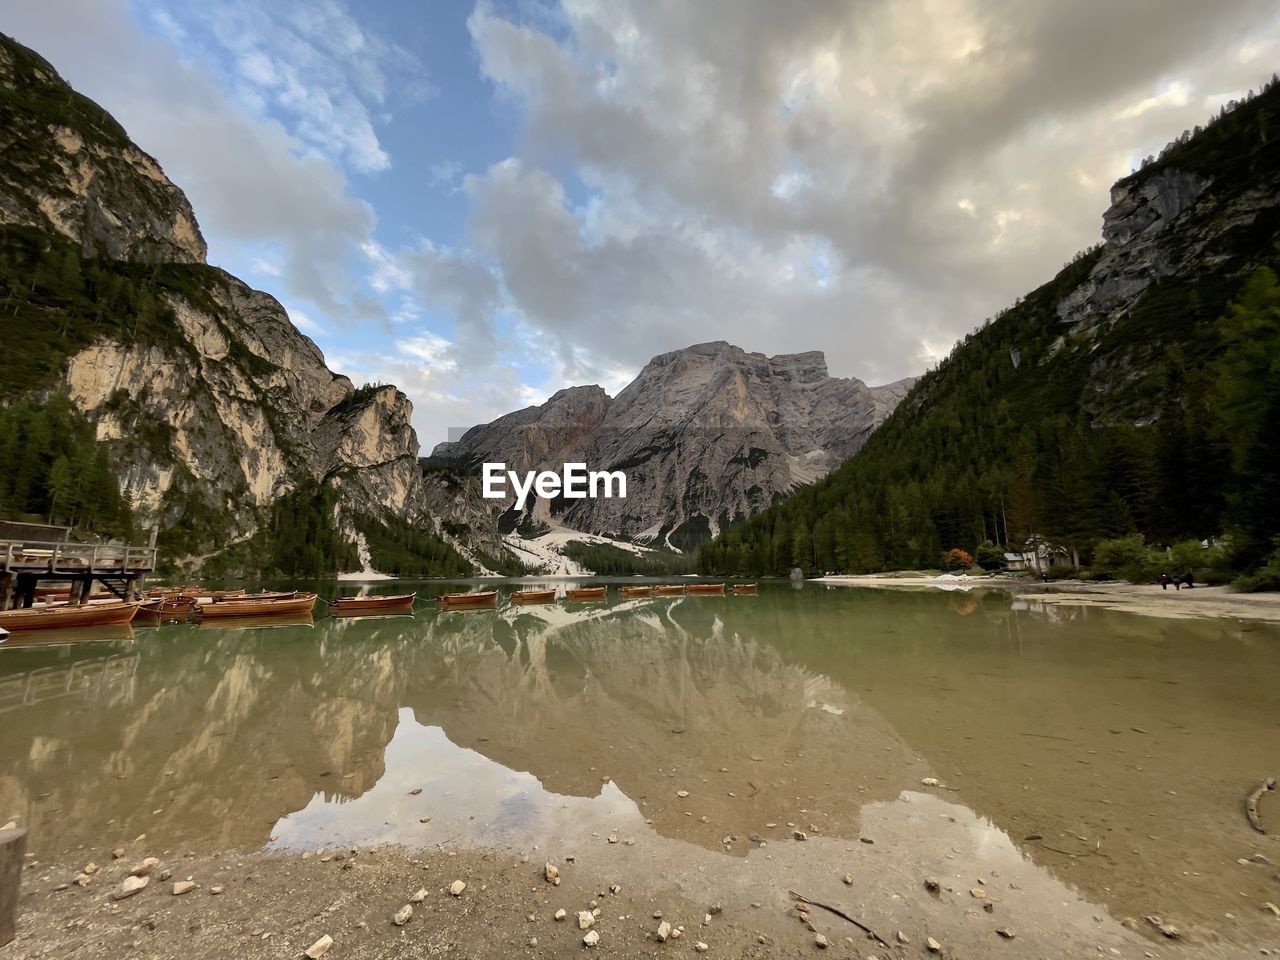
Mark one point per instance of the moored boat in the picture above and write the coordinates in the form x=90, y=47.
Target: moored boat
x=583, y=594
x=707, y=589
x=85, y=615
x=263, y=605
x=4, y=634
x=669, y=590
x=630, y=592
x=400, y=601
x=744, y=589
x=533, y=596
x=474, y=598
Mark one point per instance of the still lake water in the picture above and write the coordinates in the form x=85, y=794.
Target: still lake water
x=1107, y=753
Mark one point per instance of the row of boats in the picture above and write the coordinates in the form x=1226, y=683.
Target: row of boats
x=180, y=603
x=189, y=603
x=489, y=598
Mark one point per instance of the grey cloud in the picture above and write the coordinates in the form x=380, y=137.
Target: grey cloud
x=951, y=154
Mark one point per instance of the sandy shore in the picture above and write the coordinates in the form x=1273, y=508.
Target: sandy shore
x=1146, y=600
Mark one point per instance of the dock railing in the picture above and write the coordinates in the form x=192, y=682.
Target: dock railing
x=53, y=557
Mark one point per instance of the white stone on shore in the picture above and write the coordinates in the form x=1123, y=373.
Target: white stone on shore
x=183, y=886
x=586, y=919
x=561, y=914
x=552, y=873
x=457, y=887
x=403, y=915
x=143, y=867
x=419, y=896
x=664, y=931
x=820, y=940
x=129, y=887
x=591, y=939
x=319, y=948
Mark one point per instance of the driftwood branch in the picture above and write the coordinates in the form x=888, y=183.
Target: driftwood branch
x=1251, y=802
x=844, y=916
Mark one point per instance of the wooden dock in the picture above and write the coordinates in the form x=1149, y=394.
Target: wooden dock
x=25, y=563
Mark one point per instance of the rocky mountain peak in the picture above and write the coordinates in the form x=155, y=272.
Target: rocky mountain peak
x=67, y=167
x=706, y=434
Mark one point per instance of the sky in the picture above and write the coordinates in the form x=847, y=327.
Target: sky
x=484, y=202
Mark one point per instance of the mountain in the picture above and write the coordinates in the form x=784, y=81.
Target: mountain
x=142, y=388
x=705, y=435
x=1133, y=395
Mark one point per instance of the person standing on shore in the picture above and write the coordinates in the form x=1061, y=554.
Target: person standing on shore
x=1163, y=580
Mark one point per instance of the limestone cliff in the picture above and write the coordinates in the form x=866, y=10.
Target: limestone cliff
x=706, y=435
x=213, y=404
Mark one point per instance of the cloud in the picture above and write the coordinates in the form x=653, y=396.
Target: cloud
x=252, y=183
x=870, y=178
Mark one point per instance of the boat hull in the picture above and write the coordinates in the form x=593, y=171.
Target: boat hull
x=706, y=589
x=585, y=593
x=632, y=592
x=744, y=589
x=669, y=590
x=485, y=598
x=533, y=596
x=366, y=604
x=244, y=607
x=52, y=618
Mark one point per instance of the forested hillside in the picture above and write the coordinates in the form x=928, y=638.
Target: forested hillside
x=1135, y=393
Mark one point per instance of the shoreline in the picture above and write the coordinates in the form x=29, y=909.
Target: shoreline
x=1203, y=603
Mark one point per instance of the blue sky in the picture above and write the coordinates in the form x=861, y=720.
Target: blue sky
x=483, y=202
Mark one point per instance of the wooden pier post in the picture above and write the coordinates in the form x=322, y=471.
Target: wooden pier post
x=13, y=847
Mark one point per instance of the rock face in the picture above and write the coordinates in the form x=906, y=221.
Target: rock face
x=705, y=435
x=1132, y=258
x=67, y=167
x=232, y=407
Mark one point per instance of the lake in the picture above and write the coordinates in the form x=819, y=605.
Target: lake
x=1101, y=757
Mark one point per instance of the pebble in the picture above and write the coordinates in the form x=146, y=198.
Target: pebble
x=552, y=873
x=90, y=869
x=560, y=914
x=701, y=947
x=682, y=794
x=800, y=835
x=403, y=915
x=457, y=887
x=715, y=909
x=848, y=879
x=613, y=838
x=931, y=884
x=144, y=867
x=930, y=781
x=989, y=907
x=319, y=948
x=215, y=891
x=129, y=887
x=664, y=931
x=586, y=919
x=902, y=937
x=1167, y=929
x=978, y=893
x=533, y=941
x=117, y=853
x=82, y=880
x=676, y=933
x=933, y=945
x=1272, y=907
x=591, y=939
x=820, y=940
x=615, y=888
x=183, y=886
x=419, y=896
x=1006, y=933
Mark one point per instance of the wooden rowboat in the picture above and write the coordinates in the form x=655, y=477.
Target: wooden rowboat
x=533, y=596
x=256, y=607
x=707, y=589
x=362, y=604
x=744, y=589
x=86, y=615
x=629, y=592
x=669, y=590
x=583, y=594
x=475, y=598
